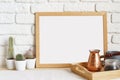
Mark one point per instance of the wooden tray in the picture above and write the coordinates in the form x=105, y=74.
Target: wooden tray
x=81, y=70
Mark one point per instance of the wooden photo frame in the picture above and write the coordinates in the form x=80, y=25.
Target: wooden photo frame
x=63, y=38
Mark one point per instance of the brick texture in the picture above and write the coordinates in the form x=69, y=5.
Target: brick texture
x=96, y=0
x=110, y=7
x=2, y=61
x=116, y=18
x=22, y=49
x=114, y=47
x=7, y=18
x=114, y=28
x=4, y=40
x=17, y=19
x=116, y=39
x=15, y=29
x=116, y=0
x=6, y=0
x=31, y=1
x=109, y=38
x=24, y=40
x=79, y=7
x=52, y=7
x=64, y=0
x=14, y=8
x=25, y=18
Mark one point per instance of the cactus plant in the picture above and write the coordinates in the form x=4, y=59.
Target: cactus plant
x=30, y=62
x=29, y=54
x=10, y=48
x=30, y=57
x=20, y=62
x=20, y=57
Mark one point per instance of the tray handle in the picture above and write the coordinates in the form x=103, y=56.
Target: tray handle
x=81, y=69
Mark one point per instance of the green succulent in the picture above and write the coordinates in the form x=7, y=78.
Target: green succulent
x=29, y=54
x=20, y=57
x=30, y=57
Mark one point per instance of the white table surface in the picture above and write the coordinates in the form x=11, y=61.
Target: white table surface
x=40, y=74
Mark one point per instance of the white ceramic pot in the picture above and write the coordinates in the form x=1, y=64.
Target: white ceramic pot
x=30, y=63
x=10, y=63
x=20, y=65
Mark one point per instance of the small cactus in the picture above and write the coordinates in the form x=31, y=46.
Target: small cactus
x=10, y=48
x=20, y=57
x=29, y=54
x=30, y=57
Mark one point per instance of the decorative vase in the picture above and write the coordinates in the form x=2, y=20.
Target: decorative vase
x=10, y=63
x=20, y=65
x=30, y=63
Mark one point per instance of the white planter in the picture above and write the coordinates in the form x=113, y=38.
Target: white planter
x=10, y=64
x=30, y=63
x=20, y=65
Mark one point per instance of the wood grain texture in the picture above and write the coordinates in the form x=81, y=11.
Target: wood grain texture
x=37, y=33
x=81, y=70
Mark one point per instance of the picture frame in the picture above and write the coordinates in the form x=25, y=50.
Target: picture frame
x=64, y=38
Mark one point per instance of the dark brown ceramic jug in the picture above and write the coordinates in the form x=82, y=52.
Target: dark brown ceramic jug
x=94, y=63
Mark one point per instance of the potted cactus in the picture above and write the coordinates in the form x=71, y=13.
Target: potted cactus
x=30, y=59
x=20, y=62
x=10, y=54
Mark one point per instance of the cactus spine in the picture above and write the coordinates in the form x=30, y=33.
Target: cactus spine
x=11, y=48
x=20, y=57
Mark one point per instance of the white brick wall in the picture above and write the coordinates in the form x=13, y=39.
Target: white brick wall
x=25, y=18
x=116, y=39
x=14, y=8
x=21, y=49
x=17, y=20
x=96, y=0
x=52, y=7
x=114, y=28
x=2, y=61
x=79, y=7
x=109, y=38
x=116, y=18
x=26, y=40
x=109, y=7
x=7, y=18
x=109, y=18
x=31, y=1
x=13, y=29
x=2, y=51
x=3, y=40
x=6, y=0
x=113, y=47
x=64, y=0
x=116, y=0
